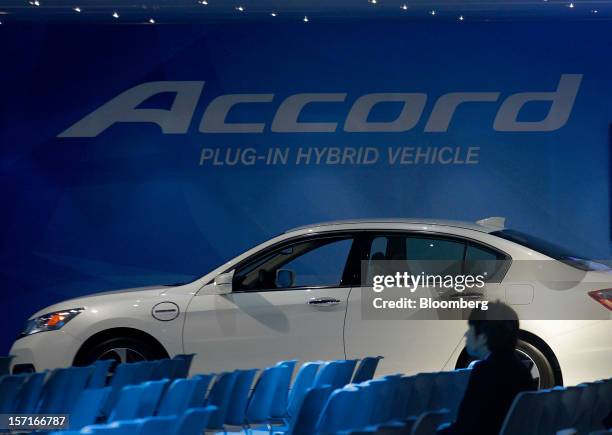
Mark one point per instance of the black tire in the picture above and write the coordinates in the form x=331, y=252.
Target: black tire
x=533, y=356
x=120, y=349
x=541, y=368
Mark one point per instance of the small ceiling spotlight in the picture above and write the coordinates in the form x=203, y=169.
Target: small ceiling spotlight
x=404, y=7
x=372, y=2
x=34, y=2
x=77, y=9
x=115, y=15
x=272, y=14
x=305, y=19
x=461, y=18
x=151, y=20
x=594, y=11
x=571, y=6
x=432, y=12
x=203, y=2
x=240, y=8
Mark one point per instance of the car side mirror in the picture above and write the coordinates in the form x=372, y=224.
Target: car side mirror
x=284, y=278
x=222, y=284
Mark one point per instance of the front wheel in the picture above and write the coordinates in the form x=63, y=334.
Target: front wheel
x=120, y=350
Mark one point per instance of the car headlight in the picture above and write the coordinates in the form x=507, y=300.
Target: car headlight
x=50, y=322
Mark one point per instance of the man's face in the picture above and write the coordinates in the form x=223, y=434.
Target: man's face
x=476, y=344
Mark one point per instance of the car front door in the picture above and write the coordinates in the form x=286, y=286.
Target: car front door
x=287, y=302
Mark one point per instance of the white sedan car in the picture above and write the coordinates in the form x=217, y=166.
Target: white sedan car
x=299, y=296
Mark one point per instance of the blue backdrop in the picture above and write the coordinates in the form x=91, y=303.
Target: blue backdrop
x=137, y=205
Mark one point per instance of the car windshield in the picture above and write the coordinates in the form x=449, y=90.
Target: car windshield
x=550, y=249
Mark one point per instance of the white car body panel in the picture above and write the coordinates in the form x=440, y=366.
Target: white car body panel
x=246, y=329
x=257, y=329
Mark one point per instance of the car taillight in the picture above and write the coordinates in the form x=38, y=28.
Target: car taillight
x=604, y=297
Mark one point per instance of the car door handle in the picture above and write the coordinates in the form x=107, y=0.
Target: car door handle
x=323, y=302
x=467, y=296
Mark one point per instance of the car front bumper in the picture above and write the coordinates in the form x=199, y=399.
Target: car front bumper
x=45, y=350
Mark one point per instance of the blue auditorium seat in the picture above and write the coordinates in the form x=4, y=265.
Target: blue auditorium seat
x=524, y=415
x=29, y=394
x=447, y=391
x=178, y=397
x=603, y=402
x=145, y=370
x=344, y=374
x=136, y=401
x=305, y=420
x=201, y=388
x=61, y=390
x=327, y=374
x=154, y=391
x=10, y=388
x=194, y=421
x=339, y=411
x=402, y=397
x=183, y=368
x=422, y=389
x=366, y=369
x=259, y=407
x=571, y=407
x=383, y=393
x=129, y=427
x=99, y=377
x=279, y=405
x=157, y=425
x=239, y=398
x=219, y=396
x=88, y=407
x=428, y=422
x=303, y=381
x=128, y=403
x=125, y=374
x=166, y=369
x=5, y=365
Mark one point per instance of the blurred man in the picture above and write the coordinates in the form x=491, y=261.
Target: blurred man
x=497, y=378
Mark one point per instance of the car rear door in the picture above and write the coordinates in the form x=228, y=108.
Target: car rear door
x=420, y=341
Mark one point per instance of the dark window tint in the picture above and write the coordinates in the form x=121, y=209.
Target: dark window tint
x=480, y=260
x=549, y=249
x=312, y=263
x=434, y=256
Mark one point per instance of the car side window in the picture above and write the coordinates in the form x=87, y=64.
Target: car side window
x=480, y=260
x=434, y=256
x=312, y=263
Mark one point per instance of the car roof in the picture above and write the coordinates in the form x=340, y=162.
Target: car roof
x=486, y=225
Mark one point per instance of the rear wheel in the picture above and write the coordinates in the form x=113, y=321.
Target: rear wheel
x=540, y=367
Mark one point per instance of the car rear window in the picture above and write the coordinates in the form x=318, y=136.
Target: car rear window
x=550, y=249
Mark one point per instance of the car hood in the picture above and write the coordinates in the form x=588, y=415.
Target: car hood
x=129, y=293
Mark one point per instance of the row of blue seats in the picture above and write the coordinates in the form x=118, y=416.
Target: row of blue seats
x=191, y=422
x=273, y=399
x=232, y=397
x=392, y=403
x=58, y=391
x=581, y=408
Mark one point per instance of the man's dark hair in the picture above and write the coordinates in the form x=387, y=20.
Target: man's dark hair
x=499, y=323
